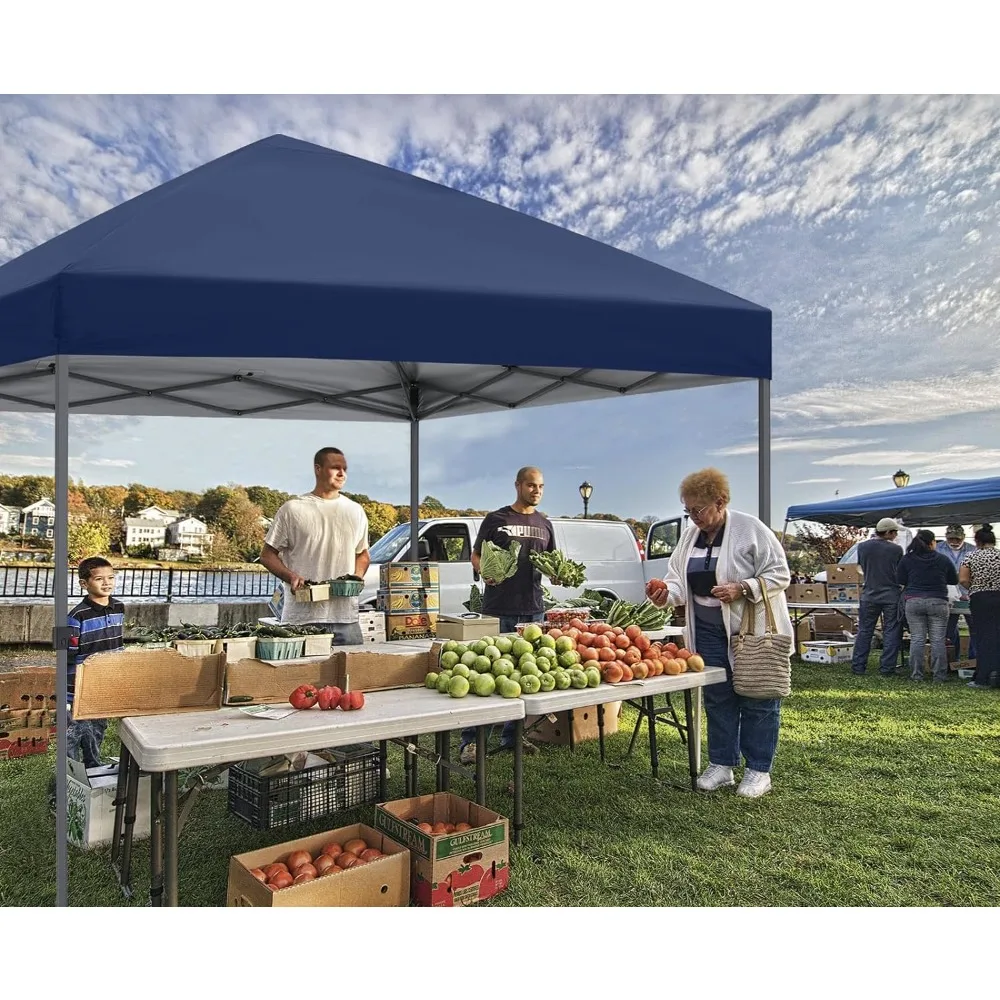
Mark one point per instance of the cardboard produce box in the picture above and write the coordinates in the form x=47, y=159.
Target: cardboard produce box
x=843, y=593
x=382, y=882
x=90, y=804
x=147, y=682
x=806, y=593
x=556, y=728
x=838, y=573
x=393, y=576
x=262, y=682
x=413, y=626
x=380, y=667
x=27, y=688
x=466, y=628
x=826, y=652
x=409, y=600
x=456, y=869
x=26, y=741
x=835, y=621
x=312, y=593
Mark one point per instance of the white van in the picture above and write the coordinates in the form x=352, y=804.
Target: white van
x=615, y=566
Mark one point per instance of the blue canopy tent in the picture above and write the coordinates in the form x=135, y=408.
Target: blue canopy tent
x=939, y=501
x=289, y=280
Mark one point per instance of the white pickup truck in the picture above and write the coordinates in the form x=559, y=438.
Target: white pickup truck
x=615, y=566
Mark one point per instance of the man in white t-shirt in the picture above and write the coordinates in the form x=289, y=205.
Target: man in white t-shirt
x=320, y=536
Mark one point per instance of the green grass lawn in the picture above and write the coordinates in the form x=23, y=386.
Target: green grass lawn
x=885, y=794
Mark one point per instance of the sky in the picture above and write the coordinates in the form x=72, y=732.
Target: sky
x=867, y=224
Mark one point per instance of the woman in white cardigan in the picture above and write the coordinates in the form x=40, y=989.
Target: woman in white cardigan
x=714, y=571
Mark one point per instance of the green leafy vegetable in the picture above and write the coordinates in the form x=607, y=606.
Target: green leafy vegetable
x=558, y=568
x=497, y=564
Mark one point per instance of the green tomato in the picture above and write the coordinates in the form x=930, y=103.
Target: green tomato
x=450, y=646
x=443, y=684
x=504, y=643
x=431, y=680
x=515, y=676
x=530, y=669
x=493, y=653
x=478, y=647
x=531, y=684
x=548, y=682
x=468, y=658
x=521, y=646
x=459, y=687
x=484, y=685
x=545, y=642
x=483, y=664
x=532, y=633
x=461, y=670
x=562, y=680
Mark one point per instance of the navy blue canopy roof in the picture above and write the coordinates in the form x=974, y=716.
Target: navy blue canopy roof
x=940, y=501
x=286, y=250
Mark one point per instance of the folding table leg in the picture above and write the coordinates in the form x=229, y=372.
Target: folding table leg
x=444, y=783
x=600, y=729
x=383, y=758
x=569, y=723
x=156, y=839
x=650, y=709
x=692, y=709
x=518, y=778
x=131, y=796
x=170, y=837
x=124, y=760
x=481, y=732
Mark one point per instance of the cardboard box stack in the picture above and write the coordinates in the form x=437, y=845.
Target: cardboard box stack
x=27, y=711
x=450, y=869
x=806, y=593
x=843, y=583
x=410, y=596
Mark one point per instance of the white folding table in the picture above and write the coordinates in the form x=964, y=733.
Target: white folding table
x=162, y=744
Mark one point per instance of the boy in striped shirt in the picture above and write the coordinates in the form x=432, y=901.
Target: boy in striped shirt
x=97, y=625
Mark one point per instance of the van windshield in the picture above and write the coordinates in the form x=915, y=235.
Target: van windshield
x=392, y=543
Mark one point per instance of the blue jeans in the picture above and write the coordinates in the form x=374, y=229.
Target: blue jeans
x=84, y=738
x=507, y=624
x=892, y=635
x=736, y=725
x=927, y=618
x=952, y=635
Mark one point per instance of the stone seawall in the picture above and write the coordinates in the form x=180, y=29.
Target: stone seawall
x=30, y=623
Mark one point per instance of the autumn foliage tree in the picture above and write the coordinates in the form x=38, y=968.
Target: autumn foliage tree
x=826, y=543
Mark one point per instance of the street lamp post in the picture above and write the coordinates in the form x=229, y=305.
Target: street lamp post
x=585, y=491
x=901, y=479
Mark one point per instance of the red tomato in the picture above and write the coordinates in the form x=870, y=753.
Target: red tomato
x=271, y=870
x=303, y=876
x=355, y=846
x=633, y=632
x=281, y=880
x=297, y=858
x=622, y=641
x=304, y=696
x=332, y=849
x=371, y=854
x=328, y=697
x=309, y=869
x=350, y=701
x=259, y=875
x=324, y=863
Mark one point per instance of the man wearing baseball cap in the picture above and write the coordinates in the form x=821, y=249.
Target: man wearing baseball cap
x=958, y=550
x=878, y=558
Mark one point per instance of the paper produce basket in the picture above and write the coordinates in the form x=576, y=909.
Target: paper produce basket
x=198, y=647
x=280, y=649
x=240, y=649
x=318, y=645
x=346, y=588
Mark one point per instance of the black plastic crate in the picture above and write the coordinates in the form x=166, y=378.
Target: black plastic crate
x=266, y=802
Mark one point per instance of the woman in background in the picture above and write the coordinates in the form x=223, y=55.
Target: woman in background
x=980, y=573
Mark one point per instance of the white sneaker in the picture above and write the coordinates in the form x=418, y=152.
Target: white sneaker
x=754, y=784
x=715, y=776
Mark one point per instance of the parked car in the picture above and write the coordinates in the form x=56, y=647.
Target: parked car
x=615, y=564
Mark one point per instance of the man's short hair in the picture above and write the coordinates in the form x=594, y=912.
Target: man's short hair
x=323, y=452
x=523, y=472
x=88, y=565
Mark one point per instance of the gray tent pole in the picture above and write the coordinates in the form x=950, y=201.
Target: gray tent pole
x=764, y=450
x=60, y=600
x=414, y=487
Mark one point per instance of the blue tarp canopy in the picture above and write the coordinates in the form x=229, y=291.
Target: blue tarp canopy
x=284, y=252
x=940, y=501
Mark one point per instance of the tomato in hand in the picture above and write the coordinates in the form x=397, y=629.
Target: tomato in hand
x=304, y=696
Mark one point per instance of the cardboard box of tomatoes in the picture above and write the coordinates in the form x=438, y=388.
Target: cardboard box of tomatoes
x=460, y=851
x=339, y=872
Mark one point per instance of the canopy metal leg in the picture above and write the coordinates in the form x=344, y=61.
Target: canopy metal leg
x=60, y=601
x=764, y=450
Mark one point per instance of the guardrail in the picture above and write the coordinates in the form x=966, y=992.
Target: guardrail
x=28, y=581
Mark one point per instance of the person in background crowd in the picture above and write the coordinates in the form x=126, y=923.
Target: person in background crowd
x=519, y=598
x=925, y=576
x=715, y=569
x=980, y=573
x=320, y=536
x=958, y=550
x=879, y=558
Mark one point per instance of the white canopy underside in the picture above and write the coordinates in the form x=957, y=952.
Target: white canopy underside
x=315, y=389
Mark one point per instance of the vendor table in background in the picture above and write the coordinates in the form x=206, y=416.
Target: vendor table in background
x=162, y=744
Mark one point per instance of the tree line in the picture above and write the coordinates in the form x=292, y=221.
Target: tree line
x=232, y=512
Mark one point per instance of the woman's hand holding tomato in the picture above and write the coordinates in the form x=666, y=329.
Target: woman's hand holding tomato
x=656, y=591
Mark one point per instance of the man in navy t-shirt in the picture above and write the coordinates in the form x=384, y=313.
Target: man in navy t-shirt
x=880, y=598
x=519, y=598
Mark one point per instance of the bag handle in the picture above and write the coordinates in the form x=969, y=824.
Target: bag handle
x=746, y=623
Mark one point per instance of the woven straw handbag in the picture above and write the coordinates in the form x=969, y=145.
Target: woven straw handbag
x=762, y=666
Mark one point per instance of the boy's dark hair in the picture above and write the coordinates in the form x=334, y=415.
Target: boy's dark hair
x=323, y=452
x=90, y=564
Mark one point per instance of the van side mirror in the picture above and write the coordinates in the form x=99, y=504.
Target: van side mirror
x=663, y=538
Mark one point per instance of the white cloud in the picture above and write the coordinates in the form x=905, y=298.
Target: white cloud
x=952, y=461
x=805, y=482
x=797, y=444
x=46, y=463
